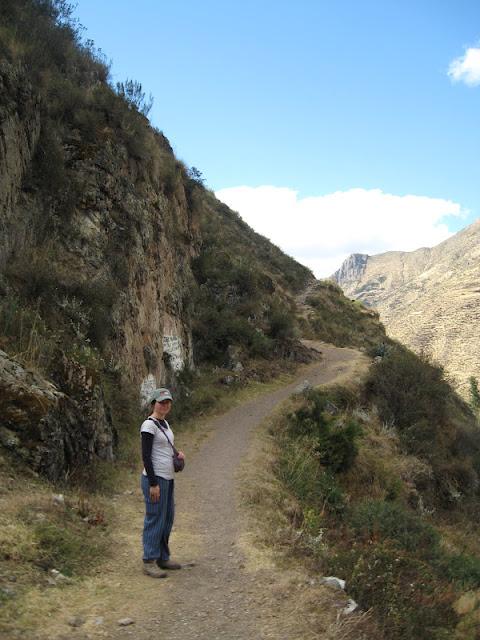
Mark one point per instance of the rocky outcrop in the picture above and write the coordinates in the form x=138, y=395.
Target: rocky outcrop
x=351, y=271
x=113, y=235
x=125, y=234
x=19, y=133
x=48, y=430
x=129, y=231
x=100, y=231
x=429, y=299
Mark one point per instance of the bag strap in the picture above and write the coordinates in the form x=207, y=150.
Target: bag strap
x=162, y=429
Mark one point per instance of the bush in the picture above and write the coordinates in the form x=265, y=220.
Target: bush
x=335, y=437
x=406, y=595
x=376, y=520
x=462, y=569
x=25, y=334
x=282, y=324
x=298, y=469
x=337, y=445
x=408, y=389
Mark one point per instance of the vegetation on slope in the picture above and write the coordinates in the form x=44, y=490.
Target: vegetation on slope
x=332, y=317
x=245, y=287
x=379, y=485
x=242, y=293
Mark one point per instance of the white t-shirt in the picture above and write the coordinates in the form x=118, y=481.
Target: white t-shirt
x=162, y=452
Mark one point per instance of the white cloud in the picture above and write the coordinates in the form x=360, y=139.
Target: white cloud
x=322, y=231
x=466, y=68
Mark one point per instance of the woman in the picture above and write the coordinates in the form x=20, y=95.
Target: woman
x=157, y=485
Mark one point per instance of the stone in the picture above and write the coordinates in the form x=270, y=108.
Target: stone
x=303, y=387
x=76, y=621
x=58, y=577
x=9, y=439
x=51, y=428
x=331, y=408
x=125, y=622
x=350, y=607
x=332, y=581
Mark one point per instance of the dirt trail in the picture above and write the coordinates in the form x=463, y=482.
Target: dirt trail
x=227, y=594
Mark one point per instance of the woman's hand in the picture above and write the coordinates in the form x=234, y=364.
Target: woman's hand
x=155, y=493
x=181, y=455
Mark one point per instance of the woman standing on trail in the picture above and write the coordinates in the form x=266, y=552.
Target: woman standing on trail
x=157, y=485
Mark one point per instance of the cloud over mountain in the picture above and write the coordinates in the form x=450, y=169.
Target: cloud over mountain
x=322, y=231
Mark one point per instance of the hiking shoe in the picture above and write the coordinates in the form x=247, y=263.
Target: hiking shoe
x=153, y=570
x=169, y=564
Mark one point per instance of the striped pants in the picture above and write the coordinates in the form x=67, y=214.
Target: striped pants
x=158, y=520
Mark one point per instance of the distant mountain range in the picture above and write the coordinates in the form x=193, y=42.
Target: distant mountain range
x=429, y=299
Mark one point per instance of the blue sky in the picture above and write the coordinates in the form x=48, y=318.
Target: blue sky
x=281, y=104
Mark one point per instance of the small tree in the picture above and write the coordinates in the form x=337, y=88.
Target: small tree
x=196, y=175
x=131, y=92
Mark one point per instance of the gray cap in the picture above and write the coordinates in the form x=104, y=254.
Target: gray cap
x=160, y=394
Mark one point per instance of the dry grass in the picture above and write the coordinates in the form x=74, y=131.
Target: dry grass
x=381, y=471
x=38, y=534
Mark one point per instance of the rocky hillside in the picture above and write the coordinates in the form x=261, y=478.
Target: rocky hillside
x=429, y=299
x=118, y=268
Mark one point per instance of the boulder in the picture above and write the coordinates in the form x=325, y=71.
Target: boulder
x=54, y=433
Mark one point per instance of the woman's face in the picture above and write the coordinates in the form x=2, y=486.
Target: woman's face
x=163, y=407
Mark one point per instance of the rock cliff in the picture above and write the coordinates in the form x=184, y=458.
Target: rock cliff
x=124, y=243
x=429, y=299
x=110, y=248
x=351, y=270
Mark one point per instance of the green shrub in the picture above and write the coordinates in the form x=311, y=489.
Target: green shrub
x=310, y=418
x=406, y=595
x=408, y=389
x=337, y=445
x=462, y=569
x=48, y=172
x=335, y=437
x=281, y=324
x=376, y=519
x=298, y=469
x=25, y=334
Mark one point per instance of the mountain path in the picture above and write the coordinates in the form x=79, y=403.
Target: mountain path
x=230, y=591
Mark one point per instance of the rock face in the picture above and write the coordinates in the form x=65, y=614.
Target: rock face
x=48, y=429
x=112, y=224
x=107, y=245
x=429, y=298
x=351, y=270
x=19, y=133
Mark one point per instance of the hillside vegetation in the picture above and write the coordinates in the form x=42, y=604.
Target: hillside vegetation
x=378, y=483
